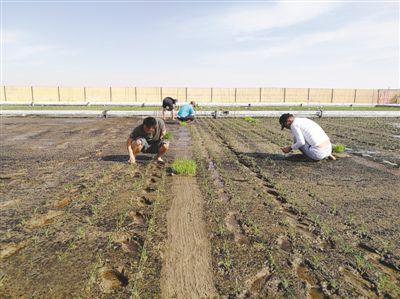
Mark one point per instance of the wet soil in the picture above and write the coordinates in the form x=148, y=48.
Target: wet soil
x=77, y=221
x=315, y=229
x=72, y=222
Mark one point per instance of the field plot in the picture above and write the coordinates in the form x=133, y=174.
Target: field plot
x=289, y=227
x=77, y=221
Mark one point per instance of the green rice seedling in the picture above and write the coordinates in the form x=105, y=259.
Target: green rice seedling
x=81, y=232
x=285, y=284
x=110, y=241
x=2, y=278
x=334, y=284
x=362, y=263
x=62, y=256
x=385, y=285
x=183, y=124
x=250, y=119
x=271, y=259
x=168, y=136
x=227, y=262
x=260, y=246
x=184, y=166
x=338, y=148
x=347, y=249
x=316, y=260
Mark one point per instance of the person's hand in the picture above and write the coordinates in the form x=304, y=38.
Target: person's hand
x=163, y=135
x=132, y=160
x=286, y=150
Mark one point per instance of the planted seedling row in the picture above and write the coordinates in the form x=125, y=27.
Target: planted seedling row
x=225, y=135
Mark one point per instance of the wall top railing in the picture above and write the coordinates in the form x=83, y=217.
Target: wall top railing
x=145, y=95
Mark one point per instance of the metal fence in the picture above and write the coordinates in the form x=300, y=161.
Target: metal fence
x=57, y=95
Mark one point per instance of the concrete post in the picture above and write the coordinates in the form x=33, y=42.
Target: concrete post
x=32, y=98
x=135, y=94
x=235, y=95
x=260, y=94
x=378, y=99
x=332, y=96
x=284, y=95
x=211, y=94
x=5, y=94
x=110, y=94
x=186, y=94
x=58, y=91
x=84, y=93
x=308, y=96
x=161, y=97
x=355, y=95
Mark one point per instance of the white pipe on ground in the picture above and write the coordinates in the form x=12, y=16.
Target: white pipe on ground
x=220, y=114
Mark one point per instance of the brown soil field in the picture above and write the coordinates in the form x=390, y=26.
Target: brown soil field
x=77, y=221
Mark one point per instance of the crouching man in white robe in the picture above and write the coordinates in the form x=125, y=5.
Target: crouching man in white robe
x=309, y=137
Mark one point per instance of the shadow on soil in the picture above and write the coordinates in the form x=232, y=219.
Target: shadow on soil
x=280, y=157
x=125, y=158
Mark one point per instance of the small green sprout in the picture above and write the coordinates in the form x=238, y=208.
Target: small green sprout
x=338, y=148
x=250, y=119
x=168, y=136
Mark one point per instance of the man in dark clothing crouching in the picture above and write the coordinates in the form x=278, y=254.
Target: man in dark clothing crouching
x=169, y=104
x=148, y=138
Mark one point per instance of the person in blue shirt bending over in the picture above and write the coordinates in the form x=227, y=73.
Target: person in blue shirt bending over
x=186, y=112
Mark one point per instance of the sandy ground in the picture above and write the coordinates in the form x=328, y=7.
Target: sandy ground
x=187, y=270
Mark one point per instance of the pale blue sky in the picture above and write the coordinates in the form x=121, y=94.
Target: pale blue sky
x=217, y=44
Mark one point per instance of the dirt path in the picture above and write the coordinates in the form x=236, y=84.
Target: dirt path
x=187, y=270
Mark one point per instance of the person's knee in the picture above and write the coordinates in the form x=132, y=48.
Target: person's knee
x=138, y=143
